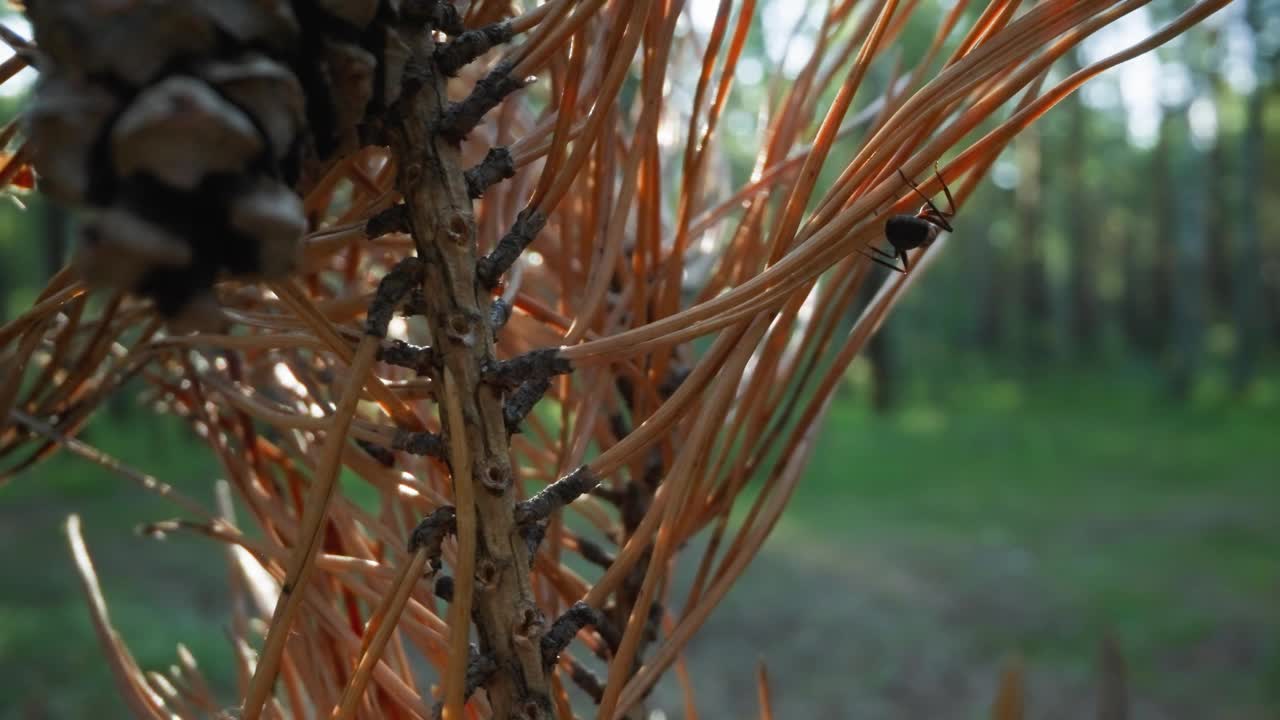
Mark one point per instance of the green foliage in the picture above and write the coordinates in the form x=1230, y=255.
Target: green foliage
x=159, y=593
x=1087, y=502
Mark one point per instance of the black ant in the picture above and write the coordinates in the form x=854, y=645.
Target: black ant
x=907, y=232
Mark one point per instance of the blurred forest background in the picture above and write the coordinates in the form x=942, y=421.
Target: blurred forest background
x=1067, y=431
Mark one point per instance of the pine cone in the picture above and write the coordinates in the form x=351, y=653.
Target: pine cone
x=187, y=130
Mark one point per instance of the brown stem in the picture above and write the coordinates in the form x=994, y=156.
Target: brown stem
x=434, y=188
x=302, y=561
x=388, y=614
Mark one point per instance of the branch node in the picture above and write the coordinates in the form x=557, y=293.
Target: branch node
x=528, y=627
x=459, y=327
x=496, y=479
x=533, y=533
x=487, y=576
x=458, y=228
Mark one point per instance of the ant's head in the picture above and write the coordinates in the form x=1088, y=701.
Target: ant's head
x=929, y=212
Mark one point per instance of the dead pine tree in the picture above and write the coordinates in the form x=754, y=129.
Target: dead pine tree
x=461, y=252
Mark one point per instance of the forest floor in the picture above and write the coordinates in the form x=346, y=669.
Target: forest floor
x=922, y=552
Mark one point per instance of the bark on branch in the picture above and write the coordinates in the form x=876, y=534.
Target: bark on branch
x=457, y=310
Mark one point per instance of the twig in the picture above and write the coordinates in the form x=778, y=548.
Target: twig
x=536, y=363
x=586, y=680
x=302, y=562
x=386, y=620
x=460, y=118
x=499, y=314
x=521, y=402
x=393, y=288
x=431, y=532
x=144, y=702
x=464, y=497
x=762, y=691
x=382, y=455
x=437, y=14
x=21, y=46
x=415, y=304
x=459, y=52
x=593, y=553
x=1010, y=702
x=418, y=443
x=393, y=219
x=566, y=627
x=96, y=456
x=557, y=495
x=479, y=668
x=526, y=227
x=37, y=312
x=418, y=358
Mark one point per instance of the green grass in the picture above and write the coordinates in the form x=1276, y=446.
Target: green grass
x=1092, y=506
x=995, y=517
x=158, y=593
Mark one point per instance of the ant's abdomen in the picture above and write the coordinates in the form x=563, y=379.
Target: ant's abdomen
x=906, y=232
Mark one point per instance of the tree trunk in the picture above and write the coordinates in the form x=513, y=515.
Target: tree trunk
x=880, y=355
x=1033, y=279
x=1159, y=316
x=1218, y=246
x=1247, y=303
x=991, y=278
x=1131, y=307
x=1082, y=232
x=1188, y=251
x=879, y=349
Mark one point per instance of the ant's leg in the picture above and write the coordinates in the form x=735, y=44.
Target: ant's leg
x=916, y=187
x=892, y=267
x=951, y=203
x=937, y=213
x=881, y=253
x=905, y=264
